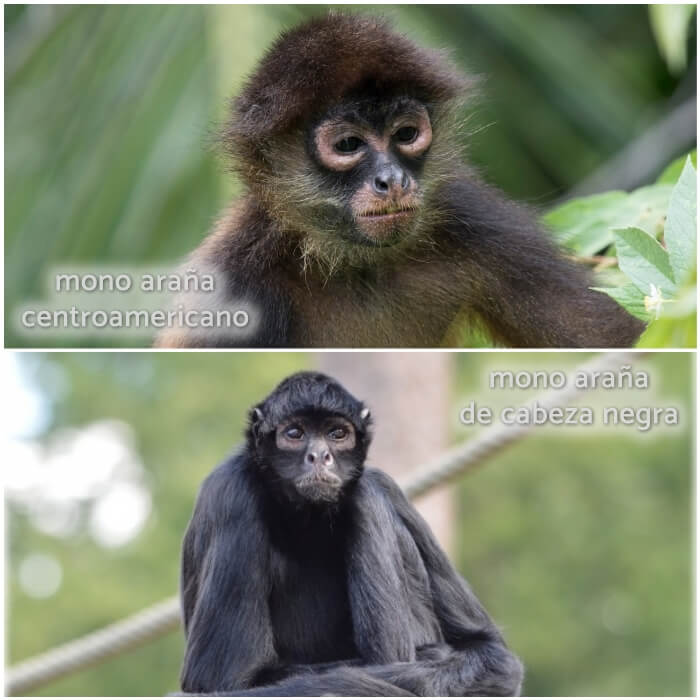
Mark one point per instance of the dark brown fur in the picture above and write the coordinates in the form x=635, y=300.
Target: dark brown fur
x=469, y=254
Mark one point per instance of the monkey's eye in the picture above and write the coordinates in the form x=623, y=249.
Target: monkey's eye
x=406, y=134
x=337, y=433
x=349, y=144
x=294, y=432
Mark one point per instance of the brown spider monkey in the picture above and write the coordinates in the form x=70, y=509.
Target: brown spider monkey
x=362, y=227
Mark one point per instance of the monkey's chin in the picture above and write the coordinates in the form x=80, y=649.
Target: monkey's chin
x=386, y=229
x=318, y=489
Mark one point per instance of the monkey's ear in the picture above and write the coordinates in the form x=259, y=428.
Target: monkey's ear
x=365, y=414
x=256, y=418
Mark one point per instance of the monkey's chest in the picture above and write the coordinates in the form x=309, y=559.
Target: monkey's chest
x=410, y=307
x=310, y=610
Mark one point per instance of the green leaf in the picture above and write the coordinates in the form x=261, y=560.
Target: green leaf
x=680, y=234
x=629, y=297
x=670, y=25
x=584, y=225
x=643, y=260
x=673, y=171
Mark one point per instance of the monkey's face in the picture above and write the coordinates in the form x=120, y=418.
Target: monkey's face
x=314, y=456
x=370, y=154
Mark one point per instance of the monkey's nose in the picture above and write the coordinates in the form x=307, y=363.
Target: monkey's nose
x=389, y=178
x=325, y=457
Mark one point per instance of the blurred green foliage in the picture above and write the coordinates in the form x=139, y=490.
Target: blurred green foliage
x=671, y=25
x=110, y=111
x=579, y=543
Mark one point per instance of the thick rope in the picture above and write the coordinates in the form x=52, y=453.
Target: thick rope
x=470, y=454
x=144, y=626
x=164, y=617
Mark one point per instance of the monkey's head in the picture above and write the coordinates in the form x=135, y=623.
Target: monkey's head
x=310, y=439
x=343, y=132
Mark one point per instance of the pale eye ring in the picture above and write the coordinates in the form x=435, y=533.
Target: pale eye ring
x=294, y=432
x=406, y=135
x=348, y=145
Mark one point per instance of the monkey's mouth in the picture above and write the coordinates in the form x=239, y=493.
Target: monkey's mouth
x=387, y=225
x=387, y=213
x=319, y=487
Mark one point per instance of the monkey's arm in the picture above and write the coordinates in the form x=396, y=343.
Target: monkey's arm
x=475, y=659
x=224, y=588
x=520, y=285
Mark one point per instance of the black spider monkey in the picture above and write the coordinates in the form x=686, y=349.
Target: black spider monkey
x=362, y=226
x=305, y=573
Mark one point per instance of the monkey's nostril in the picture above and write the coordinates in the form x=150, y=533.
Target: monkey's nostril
x=327, y=459
x=404, y=181
x=380, y=184
x=310, y=457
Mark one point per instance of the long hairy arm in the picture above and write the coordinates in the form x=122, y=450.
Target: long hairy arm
x=474, y=659
x=225, y=586
x=521, y=286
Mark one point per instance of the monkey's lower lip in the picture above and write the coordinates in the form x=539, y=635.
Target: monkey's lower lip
x=386, y=215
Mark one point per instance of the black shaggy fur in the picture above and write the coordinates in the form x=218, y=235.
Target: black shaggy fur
x=471, y=256
x=349, y=598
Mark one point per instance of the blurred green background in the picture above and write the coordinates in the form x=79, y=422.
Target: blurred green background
x=110, y=110
x=577, y=541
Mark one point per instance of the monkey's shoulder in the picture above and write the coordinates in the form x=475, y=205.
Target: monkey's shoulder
x=378, y=479
x=227, y=492
x=245, y=238
x=377, y=483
